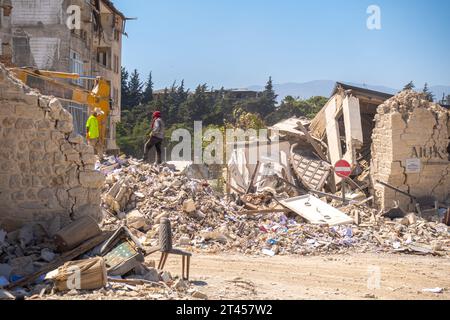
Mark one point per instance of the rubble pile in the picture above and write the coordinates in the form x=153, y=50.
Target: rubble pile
x=205, y=221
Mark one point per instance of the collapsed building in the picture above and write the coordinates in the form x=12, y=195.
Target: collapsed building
x=410, y=152
x=46, y=35
x=398, y=147
x=47, y=172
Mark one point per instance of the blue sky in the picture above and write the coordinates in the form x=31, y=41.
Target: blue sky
x=234, y=43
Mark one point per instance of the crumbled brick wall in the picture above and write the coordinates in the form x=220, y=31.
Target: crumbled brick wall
x=46, y=171
x=409, y=127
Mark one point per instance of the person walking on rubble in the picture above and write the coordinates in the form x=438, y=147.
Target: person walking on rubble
x=156, y=138
x=93, y=132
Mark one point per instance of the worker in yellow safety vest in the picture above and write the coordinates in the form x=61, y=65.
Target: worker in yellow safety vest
x=93, y=132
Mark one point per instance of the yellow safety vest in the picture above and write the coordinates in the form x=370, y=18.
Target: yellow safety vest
x=92, y=125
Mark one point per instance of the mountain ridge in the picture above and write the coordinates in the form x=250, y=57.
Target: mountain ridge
x=305, y=90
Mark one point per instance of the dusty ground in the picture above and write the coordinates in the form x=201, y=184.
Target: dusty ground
x=328, y=277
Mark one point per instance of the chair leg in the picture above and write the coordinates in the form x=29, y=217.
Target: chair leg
x=188, y=258
x=183, y=264
x=163, y=260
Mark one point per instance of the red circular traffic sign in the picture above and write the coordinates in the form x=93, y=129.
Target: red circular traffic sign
x=343, y=169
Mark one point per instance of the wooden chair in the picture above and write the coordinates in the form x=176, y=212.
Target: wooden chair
x=186, y=261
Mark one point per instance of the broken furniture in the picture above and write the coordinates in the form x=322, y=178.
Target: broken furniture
x=81, y=249
x=76, y=233
x=122, y=252
x=165, y=242
x=87, y=274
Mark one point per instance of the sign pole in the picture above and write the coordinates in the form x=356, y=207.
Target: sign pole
x=343, y=169
x=344, y=182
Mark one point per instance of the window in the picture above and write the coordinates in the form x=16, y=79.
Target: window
x=116, y=64
x=115, y=97
x=116, y=35
x=104, y=57
x=76, y=66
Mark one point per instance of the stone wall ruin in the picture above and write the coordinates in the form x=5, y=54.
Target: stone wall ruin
x=410, y=150
x=46, y=171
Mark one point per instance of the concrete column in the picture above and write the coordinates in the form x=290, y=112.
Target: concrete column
x=353, y=127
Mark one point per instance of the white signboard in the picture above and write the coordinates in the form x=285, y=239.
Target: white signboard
x=413, y=166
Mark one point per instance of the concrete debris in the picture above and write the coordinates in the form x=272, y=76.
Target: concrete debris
x=181, y=285
x=47, y=255
x=199, y=295
x=5, y=270
x=152, y=275
x=222, y=225
x=166, y=277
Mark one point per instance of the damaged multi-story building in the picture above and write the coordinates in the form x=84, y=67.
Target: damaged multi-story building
x=71, y=36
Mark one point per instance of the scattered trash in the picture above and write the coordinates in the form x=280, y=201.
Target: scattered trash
x=434, y=290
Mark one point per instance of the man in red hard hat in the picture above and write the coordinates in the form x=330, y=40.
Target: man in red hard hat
x=156, y=138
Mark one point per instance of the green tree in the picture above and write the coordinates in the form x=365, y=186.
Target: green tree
x=147, y=96
x=268, y=99
x=125, y=89
x=448, y=99
x=135, y=88
x=291, y=107
x=409, y=86
x=427, y=93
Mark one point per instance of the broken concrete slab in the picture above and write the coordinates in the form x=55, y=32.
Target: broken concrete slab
x=135, y=219
x=316, y=211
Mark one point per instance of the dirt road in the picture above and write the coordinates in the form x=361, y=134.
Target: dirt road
x=342, y=277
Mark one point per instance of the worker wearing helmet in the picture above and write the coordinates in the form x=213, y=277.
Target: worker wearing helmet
x=156, y=137
x=93, y=132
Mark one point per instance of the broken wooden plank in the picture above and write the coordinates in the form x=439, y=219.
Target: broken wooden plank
x=313, y=142
x=263, y=211
x=252, y=180
x=83, y=248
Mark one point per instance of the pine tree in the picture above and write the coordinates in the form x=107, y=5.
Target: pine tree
x=148, y=92
x=268, y=100
x=428, y=94
x=409, y=86
x=125, y=89
x=448, y=99
x=182, y=94
x=135, y=87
